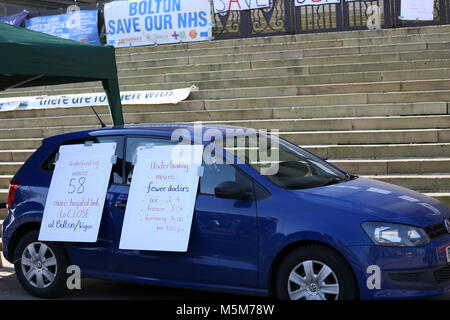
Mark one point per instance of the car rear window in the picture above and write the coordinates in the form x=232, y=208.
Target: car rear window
x=117, y=170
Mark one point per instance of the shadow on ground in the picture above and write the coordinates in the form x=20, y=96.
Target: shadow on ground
x=10, y=289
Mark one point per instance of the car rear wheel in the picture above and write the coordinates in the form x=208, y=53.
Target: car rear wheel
x=315, y=272
x=41, y=266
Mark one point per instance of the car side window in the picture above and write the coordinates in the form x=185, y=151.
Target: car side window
x=117, y=169
x=215, y=174
x=133, y=143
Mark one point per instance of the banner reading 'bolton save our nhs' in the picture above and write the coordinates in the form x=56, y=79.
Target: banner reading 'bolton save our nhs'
x=147, y=22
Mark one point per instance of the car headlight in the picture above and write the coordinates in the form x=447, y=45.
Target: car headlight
x=395, y=235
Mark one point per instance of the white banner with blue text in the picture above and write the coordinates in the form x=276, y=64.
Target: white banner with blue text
x=95, y=99
x=147, y=22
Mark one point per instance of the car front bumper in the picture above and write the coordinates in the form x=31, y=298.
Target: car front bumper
x=404, y=272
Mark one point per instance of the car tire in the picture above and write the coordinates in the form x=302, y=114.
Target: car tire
x=315, y=272
x=41, y=266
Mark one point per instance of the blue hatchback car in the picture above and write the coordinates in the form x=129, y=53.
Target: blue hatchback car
x=309, y=231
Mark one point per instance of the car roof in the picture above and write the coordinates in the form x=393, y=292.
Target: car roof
x=156, y=129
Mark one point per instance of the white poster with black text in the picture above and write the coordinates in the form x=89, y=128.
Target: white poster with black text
x=161, y=201
x=76, y=197
x=421, y=10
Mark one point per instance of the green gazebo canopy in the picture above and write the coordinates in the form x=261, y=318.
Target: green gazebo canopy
x=29, y=58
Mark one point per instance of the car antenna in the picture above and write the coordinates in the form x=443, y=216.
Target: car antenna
x=98, y=117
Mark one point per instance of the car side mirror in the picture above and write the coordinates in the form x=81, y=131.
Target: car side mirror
x=232, y=190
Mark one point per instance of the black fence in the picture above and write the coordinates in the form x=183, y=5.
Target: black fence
x=283, y=17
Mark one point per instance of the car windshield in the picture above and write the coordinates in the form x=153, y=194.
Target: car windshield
x=283, y=163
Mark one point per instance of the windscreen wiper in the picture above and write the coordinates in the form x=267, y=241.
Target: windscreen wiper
x=349, y=177
x=334, y=180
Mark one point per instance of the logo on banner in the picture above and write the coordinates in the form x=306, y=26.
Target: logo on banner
x=193, y=34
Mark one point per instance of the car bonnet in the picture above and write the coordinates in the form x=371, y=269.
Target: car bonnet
x=378, y=199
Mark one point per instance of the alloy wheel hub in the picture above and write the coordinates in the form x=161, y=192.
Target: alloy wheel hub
x=313, y=280
x=39, y=265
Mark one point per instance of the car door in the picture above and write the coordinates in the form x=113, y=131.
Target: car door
x=223, y=247
x=99, y=256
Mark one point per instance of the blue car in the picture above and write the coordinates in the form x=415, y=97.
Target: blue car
x=308, y=231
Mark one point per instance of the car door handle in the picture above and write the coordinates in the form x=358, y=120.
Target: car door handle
x=121, y=205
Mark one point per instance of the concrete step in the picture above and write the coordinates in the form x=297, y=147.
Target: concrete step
x=279, y=55
x=315, y=62
x=349, y=59
x=308, y=48
x=30, y=119
x=317, y=124
x=124, y=72
x=141, y=83
x=329, y=99
x=9, y=168
x=394, y=166
x=39, y=132
x=244, y=49
x=320, y=61
x=362, y=137
x=246, y=80
x=14, y=156
x=316, y=90
x=444, y=197
x=4, y=180
x=260, y=102
x=345, y=153
x=287, y=46
x=380, y=151
x=280, y=43
x=286, y=69
x=3, y=198
x=272, y=61
x=293, y=38
x=422, y=183
x=340, y=124
x=280, y=76
x=397, y=109
x=370, y=82
x=385, y=86
x=13, y=144
x=317, y=131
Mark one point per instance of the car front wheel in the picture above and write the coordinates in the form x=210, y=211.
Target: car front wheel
x=315, y=272
x=41, y=266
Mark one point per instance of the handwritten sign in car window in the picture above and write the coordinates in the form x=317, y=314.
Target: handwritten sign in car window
x=161, y=200
x=76, y=197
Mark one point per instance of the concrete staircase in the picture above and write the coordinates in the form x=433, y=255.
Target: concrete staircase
x=375, y=103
